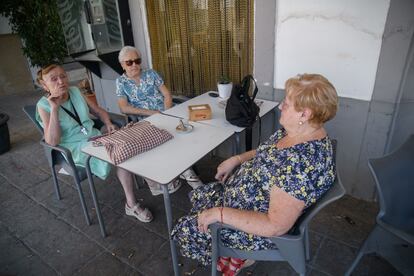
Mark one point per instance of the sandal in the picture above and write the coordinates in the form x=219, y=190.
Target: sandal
x=143, y=215
x=236, y=265
x=192, y=179
x=223, y=264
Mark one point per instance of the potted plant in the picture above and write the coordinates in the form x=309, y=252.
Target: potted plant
x=38, y=25
x=224, y=87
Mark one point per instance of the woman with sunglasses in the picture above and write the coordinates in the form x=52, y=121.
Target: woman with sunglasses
x=140, y=92
x=143, y=93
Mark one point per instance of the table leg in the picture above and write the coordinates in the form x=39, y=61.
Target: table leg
x=94, y=197
x=168, y=213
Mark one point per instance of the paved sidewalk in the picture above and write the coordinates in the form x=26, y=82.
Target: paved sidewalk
x=40, y=235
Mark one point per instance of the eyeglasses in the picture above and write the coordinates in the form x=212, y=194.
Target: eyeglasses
x=130, y=62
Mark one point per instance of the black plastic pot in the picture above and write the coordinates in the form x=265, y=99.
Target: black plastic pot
x=4, y=133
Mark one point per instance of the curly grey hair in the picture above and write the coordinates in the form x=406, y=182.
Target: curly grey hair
x=127, y=49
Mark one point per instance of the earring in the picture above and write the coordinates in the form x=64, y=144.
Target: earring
x=300, y=123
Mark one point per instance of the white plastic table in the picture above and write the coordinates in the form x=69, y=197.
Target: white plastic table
x=218, y=118
x=165, y=162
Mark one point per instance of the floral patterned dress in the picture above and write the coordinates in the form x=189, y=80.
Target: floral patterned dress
x=305, y=171
x=146, y=94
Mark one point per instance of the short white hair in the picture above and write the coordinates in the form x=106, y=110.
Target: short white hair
x=127, y=49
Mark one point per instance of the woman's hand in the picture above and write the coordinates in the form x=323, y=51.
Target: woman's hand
x=208, y=217
x=54, y=101
x=110, y=128
x=225, y=169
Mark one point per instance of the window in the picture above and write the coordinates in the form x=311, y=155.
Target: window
x=195, y=42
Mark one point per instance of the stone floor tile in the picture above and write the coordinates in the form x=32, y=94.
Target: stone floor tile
x=357, y=208
x=272, y=269
x=17, y=259
x=342, y=226
x=372, y=264
x=160, y=264
x=333, y=257
x=107, y=265
x=21, y=215
x=62, y=247
x=9, y=194
x=109, y=191
x=20, y=172
x=315, y=272
x=41, y=191
x=116, y=225
x=53, y=239
x=12, y=249
x=156, y=205
x=137, y=246
x=69, y=198
x=30, y=265
x=315, y=241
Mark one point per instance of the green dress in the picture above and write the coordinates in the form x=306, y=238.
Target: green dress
x=71, y=136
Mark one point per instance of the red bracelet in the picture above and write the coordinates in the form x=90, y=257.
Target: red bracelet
x=221, y=215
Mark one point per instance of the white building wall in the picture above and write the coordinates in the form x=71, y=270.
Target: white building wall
x=339, y=39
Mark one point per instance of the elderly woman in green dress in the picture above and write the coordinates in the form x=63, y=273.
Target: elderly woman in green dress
x=272, y=185
x=64, y=115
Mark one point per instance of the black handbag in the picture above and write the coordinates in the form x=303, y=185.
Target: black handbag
x=241, y=110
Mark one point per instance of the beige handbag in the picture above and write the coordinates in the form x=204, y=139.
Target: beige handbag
x=131, y=140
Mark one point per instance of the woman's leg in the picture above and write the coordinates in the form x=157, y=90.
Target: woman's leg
x=127, y=182
x=192, y=243
x=132, y=208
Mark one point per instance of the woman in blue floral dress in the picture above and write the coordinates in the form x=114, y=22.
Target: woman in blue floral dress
x=143, y=93
x=262, y=192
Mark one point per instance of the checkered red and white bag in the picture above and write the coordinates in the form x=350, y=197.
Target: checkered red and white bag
x=132, y=139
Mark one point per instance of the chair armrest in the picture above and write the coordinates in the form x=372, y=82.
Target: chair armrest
x=136, y=118
x=179, y=99
x=66, y=154
x=132, y=117
x=216, y=228
x=118, y=119
x=285, y=244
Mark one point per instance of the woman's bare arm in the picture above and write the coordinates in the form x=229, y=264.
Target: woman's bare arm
x=283, y=211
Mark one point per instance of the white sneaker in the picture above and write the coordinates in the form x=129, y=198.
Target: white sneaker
x=156, y=188
x=192, y=179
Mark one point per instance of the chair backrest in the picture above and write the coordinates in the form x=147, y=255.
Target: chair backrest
x=334, y=193
x=30, y=111
x=394, y=179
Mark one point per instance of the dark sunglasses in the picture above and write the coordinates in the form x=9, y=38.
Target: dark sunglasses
x=136, y=61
